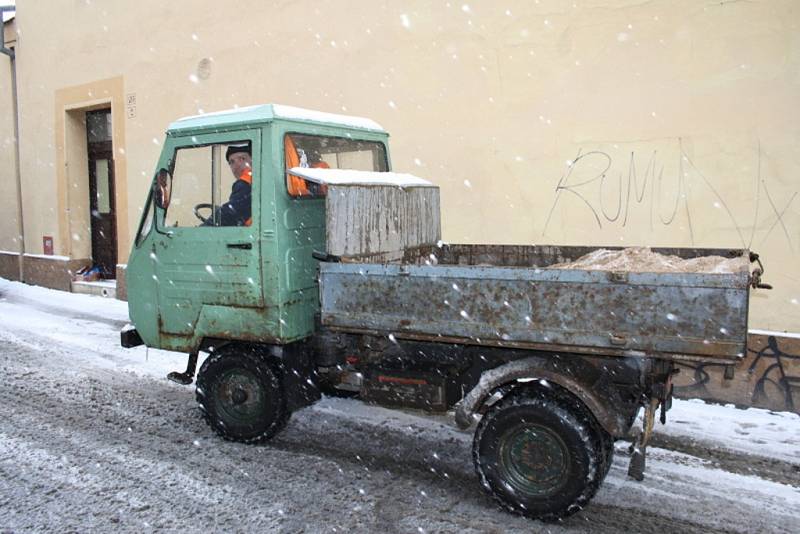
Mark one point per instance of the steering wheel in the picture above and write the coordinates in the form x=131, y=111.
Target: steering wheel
x=202, y=206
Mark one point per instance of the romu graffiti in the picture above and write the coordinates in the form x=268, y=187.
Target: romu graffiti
x=669, y=194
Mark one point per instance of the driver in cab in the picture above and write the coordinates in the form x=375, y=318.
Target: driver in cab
x=236, y=211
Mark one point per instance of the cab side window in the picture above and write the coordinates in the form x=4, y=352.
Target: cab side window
x=205, y=190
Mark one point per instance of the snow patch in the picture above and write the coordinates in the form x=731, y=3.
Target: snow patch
x=291, y=112
x=351, y=177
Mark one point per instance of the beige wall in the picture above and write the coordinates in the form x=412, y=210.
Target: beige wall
x=8, y=180
x=493, y=102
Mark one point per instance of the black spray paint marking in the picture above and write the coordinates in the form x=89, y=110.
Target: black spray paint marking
x=774, y=374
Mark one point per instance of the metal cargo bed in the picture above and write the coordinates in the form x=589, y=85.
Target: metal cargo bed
x=506, y=296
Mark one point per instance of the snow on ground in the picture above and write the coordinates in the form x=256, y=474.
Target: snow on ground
x=80, y=321
x=93, y=438
x=752, y=431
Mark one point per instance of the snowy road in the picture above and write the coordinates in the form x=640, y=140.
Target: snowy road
x=94, y=438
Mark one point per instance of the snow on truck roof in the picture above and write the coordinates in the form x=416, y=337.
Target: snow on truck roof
x=349, y=177
x=269, y=112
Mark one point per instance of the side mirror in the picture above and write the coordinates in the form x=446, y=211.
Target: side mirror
x=162, y=188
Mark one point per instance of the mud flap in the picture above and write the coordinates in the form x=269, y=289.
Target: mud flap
x=185, y=378
x=639, y=447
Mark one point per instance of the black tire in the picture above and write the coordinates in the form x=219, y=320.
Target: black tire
x=608, y=455
x=540, y=453
x=241, y=396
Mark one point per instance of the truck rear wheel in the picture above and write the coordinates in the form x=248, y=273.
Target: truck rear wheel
x=608, y=454
x=241, y=396
x=540, y=454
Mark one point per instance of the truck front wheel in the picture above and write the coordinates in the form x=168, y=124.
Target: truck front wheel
x=539, y=455
x=241, y=396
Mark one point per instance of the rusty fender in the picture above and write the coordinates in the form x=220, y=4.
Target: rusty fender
x=590, y=383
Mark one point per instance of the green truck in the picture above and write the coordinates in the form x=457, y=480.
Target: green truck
x=333, y=279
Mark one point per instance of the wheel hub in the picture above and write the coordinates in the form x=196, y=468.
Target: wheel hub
x=239, y=396
x=241, y=399
x=534, y=459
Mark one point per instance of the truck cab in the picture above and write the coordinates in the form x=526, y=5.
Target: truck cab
x=192, y=279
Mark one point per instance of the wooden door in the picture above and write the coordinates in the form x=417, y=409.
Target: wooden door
x=102, y=192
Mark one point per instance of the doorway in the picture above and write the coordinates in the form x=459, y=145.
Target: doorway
x=102, y=192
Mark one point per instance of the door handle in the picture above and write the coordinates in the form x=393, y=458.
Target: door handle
x=244, y=246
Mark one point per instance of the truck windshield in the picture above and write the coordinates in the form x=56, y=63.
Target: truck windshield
x=317, y=152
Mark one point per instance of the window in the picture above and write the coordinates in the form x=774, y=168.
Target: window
x=329, y=153
x=102, y=186
x=205, y=191
x=98, y=126
x=147, y=220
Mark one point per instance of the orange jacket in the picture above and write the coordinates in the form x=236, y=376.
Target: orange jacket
x=247, y=177
x=296, y=185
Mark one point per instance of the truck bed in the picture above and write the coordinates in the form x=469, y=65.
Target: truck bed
x=507, y=296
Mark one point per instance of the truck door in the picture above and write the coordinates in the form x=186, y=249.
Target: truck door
x=206, y=260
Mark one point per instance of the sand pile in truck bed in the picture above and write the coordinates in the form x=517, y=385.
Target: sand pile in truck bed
x=643, y=259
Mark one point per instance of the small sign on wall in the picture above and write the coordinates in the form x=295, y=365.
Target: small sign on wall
x=47, y=245
x=130, y=105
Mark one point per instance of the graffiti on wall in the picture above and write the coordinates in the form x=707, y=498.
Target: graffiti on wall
x=767, y=377
x=611, y=191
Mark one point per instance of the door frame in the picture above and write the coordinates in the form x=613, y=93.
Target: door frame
x=71, y=103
